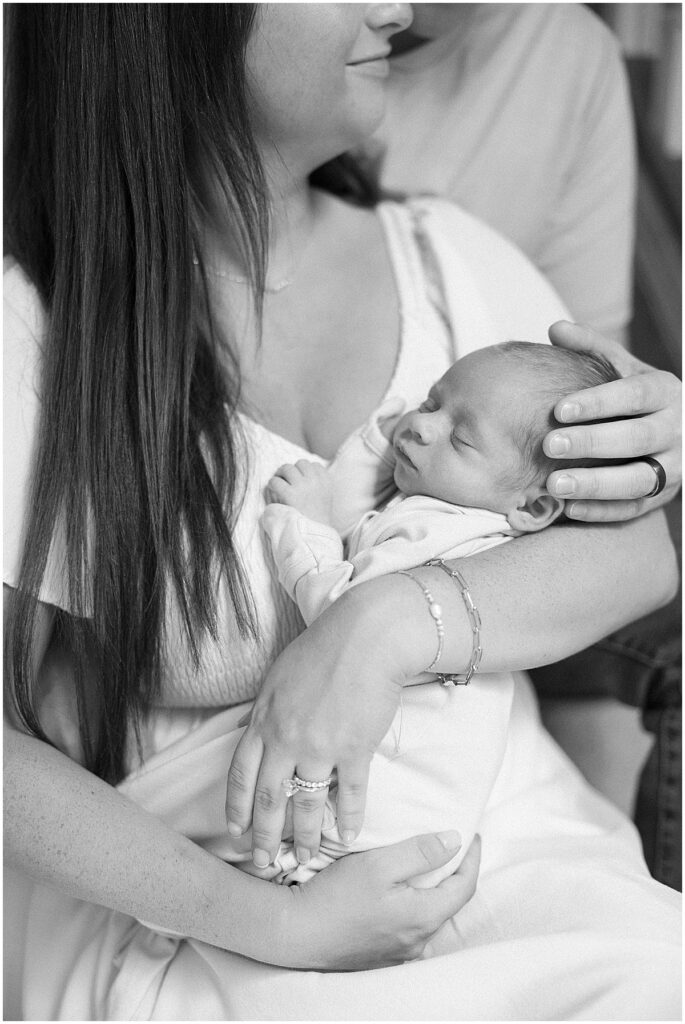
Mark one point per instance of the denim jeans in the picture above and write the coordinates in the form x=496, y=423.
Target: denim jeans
x=640, y=665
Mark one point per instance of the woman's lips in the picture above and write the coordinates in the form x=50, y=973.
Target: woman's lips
x=378, y=65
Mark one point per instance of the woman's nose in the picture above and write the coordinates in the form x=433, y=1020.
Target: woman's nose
x=391, y=17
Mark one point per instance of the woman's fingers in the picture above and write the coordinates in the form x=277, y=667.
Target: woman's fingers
x=418, y=855
x=353, y=781
x=242, y=780
x=308, y=810
x=453, y=892
x=636, y=395
x=268, y=813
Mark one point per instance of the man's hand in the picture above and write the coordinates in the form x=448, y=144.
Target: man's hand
x=643, y=417
x=305, y=486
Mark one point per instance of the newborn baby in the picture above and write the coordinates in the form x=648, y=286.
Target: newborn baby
x=468, y=466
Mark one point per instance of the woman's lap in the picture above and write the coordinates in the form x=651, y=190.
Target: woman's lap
x=565, y=924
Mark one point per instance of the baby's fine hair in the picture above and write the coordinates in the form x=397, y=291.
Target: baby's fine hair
x=560, y=372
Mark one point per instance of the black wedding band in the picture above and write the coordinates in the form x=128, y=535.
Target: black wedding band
x=660, y=476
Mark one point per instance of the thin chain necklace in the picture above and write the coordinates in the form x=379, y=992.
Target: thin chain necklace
x=272, y=289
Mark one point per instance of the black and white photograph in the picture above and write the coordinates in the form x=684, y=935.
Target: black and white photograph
x=342, y=512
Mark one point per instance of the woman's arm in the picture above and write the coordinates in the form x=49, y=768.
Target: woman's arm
x=71, y=830
x=331, y=696
x=547, y=595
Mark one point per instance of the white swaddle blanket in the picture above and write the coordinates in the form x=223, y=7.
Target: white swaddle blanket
x=565, y=925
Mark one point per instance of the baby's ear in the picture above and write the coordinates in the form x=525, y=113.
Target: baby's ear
x=537, y=513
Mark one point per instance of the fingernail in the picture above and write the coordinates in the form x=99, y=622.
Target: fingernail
x=302, y=854
x=569, y=411
x=558, y=444
x=564, y=485
x=348, y=836
x=260, y=858
x=576, y=510
x=233, y=829
x=450, y=840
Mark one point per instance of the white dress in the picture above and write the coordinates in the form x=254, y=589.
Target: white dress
x=566, y=922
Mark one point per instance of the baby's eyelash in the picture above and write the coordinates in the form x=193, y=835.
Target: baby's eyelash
x=457, y=441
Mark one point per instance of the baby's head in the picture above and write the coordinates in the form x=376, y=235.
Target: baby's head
x=477, y=438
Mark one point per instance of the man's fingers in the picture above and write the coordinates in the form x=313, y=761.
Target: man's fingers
x=242, y=779
x=621, y=439
x=631, y=396
x=582, y=338
x=613, y=511
x=607, y=483
x=353, y=781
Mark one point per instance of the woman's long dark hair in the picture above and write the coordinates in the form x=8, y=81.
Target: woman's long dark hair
x=117, y=118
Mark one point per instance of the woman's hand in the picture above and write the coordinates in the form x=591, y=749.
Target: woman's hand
x=644, y=410
x=363, y=912
x=325, y=705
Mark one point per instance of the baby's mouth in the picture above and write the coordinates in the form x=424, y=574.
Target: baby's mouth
x=402, y=455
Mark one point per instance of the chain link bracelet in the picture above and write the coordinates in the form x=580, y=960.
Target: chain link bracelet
x=462, y=679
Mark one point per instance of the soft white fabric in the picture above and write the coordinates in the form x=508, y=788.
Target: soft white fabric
x=315, y=567
x=521, y=114
x=312, y=565
x=566, y=923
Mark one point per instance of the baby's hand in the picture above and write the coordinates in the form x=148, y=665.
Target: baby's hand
x=387, y=424
x=305, y=486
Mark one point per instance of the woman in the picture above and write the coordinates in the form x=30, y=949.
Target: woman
x=158, y=167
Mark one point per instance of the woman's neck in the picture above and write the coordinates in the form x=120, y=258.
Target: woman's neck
x=293, y=207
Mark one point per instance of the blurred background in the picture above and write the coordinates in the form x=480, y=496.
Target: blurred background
x=650, y=35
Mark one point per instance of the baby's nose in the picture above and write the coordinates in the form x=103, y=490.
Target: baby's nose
x=421, y=428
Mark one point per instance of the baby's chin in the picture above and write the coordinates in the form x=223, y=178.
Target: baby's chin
x=410, y=483
x=402, y=480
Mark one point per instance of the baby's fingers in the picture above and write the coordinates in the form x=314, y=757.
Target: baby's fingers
x=277, y=489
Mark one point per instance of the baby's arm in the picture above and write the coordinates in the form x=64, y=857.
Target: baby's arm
x=307, y=549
